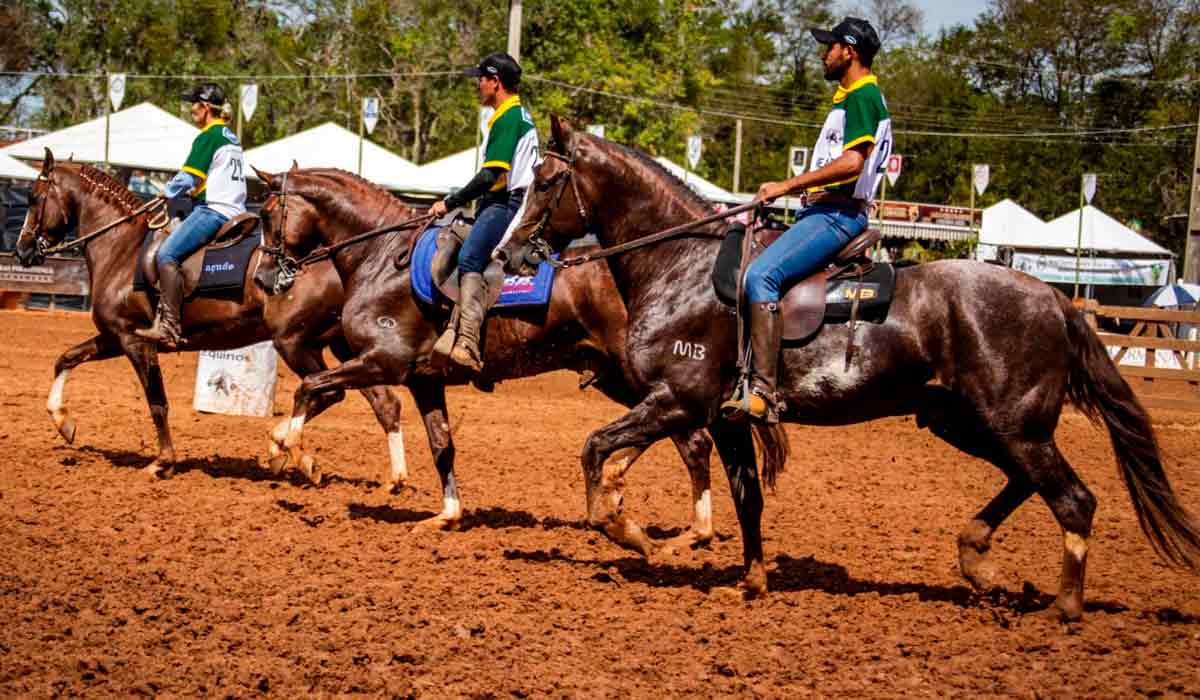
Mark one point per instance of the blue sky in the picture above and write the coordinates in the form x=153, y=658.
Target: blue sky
x=944, y=13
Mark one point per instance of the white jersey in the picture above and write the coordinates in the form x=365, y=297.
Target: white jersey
x=216, y=158
x=859, y=115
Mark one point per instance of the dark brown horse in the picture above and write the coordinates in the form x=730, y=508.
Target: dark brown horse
x=581, y=329
x=984, y=356
x=301, y=324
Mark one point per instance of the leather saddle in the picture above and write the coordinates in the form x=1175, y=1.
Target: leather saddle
x=802, y=308
x=230, y=234
x=445, y=263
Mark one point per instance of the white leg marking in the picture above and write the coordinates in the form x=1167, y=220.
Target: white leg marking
x=1076, y=545
x=294, y=431
x=280, y=431
x=451, y=508
x=55, y=402
x=399, y=464
x=704, y=511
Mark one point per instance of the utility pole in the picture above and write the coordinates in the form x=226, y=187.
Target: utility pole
x=514, y=29
x=737, y=159
x=1191, y=255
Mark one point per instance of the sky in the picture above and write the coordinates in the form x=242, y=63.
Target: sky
x=945, y=13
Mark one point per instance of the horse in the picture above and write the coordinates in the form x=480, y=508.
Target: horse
x=581, y=329
x=301, y=325
x=983, y=355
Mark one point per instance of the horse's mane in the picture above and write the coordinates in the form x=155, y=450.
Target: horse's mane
x=348, y=209
x=108, y=188
x=679, y=187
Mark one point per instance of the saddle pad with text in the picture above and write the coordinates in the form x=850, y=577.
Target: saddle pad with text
x=223, y=274
x=518, y=291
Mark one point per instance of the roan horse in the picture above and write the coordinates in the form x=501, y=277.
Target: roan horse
x=301, y=324
x=983, y=355
x=393, y=334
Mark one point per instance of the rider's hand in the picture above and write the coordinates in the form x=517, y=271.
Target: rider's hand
x=770, y=191
x=438, y=209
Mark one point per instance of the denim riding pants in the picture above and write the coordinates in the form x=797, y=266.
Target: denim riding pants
x=490, y=224
x=194, y=233
x=818, y=234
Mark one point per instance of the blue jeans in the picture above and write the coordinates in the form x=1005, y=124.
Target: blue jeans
x=818, y=234
x=194, y=233
x=490, y=224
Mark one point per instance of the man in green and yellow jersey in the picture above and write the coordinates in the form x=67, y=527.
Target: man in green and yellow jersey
x=510, y=152
x=848, y=163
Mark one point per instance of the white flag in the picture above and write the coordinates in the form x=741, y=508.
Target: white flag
x=1089, y=186
x=982, y=171
x=116, y=89
x=249, y=100
x=370, y=112
x=895, y=162
x=596, y=130
x=798, y=159
x=694, y=147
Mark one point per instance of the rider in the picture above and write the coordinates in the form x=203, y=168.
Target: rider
x=214, y=174
x=510, y=152
x=848, y=162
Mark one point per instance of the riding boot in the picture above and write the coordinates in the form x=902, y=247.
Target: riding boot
x=472, y=305
x=166, y=329
x=757, y=396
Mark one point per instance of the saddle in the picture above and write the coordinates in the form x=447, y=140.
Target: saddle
x=803, y=307
x=232, y=233
x=445, y=263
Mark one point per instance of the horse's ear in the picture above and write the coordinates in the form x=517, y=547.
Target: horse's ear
x=561, y=130
x=267, y=178
x=295, y=165
x=47, y=163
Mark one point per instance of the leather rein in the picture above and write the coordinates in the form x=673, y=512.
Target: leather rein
x=544, y=251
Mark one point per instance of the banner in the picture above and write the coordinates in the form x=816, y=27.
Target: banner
x=798, y=159
x=694, y=146
x=895, y=162
x=1100, y=271
x=116, y=89
x=981, y=176
x=249, y=100
x=237, y=382
x=54, y=276
x=914, y=213
x=1089, y=186
x=370, y=112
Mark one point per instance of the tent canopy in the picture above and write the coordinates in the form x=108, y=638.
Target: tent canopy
x=142, y=136
x=701, y=186
x=332, y=146
x=449, y=173
x=1101, y=232
x=13, y=169
x=1010, y=224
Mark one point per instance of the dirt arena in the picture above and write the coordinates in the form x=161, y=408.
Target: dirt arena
x=227, y=580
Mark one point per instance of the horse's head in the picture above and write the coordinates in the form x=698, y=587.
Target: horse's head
x=289, y=231
x=560, y=203
x=49, y=218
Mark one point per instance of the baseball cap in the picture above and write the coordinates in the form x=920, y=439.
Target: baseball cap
x=498, y=65
x=851, y=31
x=209, y=93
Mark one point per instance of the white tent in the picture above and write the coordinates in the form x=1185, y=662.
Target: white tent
x=142, y=136
x=449, y=173
x=332, y=146
x=1101, y=232
x=13, y=169
x=1007, y=223
x=702, y=187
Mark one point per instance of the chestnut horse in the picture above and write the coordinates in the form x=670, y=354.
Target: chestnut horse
x=984, y=356
x=392, y=333
x=302, y=325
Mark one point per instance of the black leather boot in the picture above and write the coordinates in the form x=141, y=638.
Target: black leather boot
x=166, y=329
x=473, y=306
x=757, y=397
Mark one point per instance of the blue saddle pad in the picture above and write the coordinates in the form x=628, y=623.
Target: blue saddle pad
x=224, y=272
x=518, y=291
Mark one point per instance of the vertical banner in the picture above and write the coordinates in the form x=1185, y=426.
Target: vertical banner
x=894, y=164
x=798, y=159
x=1089, y=186
x=694, y=147
x=116, y=90
x=249, y=99
x=982, y=173
x=237, y=382
x=370, y=112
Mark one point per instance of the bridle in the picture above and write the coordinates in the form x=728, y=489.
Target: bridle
x=537, y=241
x=288, y=266
x=41, y=245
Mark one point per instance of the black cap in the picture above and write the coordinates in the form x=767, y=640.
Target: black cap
x=209, y=93
x=498, y=65
x=851, y=31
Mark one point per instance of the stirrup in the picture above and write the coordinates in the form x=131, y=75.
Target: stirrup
x=747, y=403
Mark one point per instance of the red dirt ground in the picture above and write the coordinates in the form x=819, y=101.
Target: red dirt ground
x=227, y=580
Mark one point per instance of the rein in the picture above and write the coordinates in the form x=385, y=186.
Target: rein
x=329, y=250
x=543, y=249
x=44, y=250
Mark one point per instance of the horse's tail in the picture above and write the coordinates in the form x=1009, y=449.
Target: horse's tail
x=772, y=443
x=1096, y=387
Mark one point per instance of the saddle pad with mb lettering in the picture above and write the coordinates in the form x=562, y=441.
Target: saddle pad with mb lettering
x=518, y=291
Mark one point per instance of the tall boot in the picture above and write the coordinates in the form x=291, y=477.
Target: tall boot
x=166, y=329
x=758, y=396
x=472, y=307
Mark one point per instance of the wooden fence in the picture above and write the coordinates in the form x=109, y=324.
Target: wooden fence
x=1154, y=331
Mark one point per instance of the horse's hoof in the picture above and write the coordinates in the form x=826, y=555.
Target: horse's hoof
x=308, y=465
x=277, y=462
x=734, y=593
x=438, y=523
x=158, y=471
x=67, y=430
